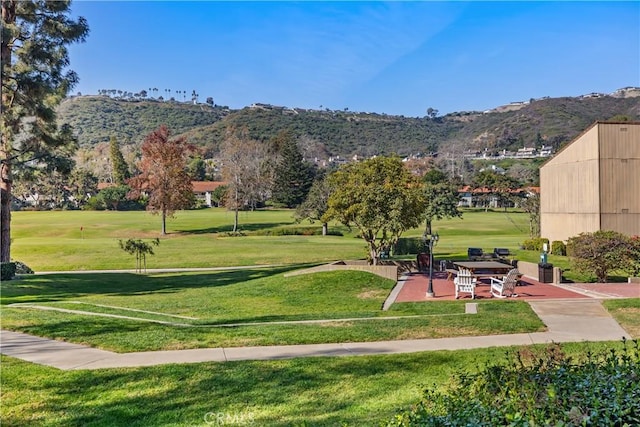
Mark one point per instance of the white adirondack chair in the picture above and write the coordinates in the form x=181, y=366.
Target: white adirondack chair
x=465, y=282
x=502, y=288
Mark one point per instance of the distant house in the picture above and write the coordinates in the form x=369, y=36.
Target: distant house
x=495, y=169
x=545, y=151
x=201, y=189
x=526, y=152
x=593, y=183
x=487, y=198
x=204, y=189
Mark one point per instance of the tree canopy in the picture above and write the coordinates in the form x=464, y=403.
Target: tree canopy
x=498, y=185
x=379, y=197
x=163, y=175
x=293, y=176
x=600, y=252
x=441, y=198
x=35, y=79
x=119, y=166
x=316, y=204
x=244, y=168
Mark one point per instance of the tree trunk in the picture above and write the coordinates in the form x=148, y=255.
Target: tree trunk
x=5, y=218
x=164, y=222
x=373, y=254
x=428, y=226
x=235, y=217
x=9, y=17
x=235, y=220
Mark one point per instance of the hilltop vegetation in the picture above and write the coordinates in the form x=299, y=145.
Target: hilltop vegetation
x=551, y=121
x=96, y=118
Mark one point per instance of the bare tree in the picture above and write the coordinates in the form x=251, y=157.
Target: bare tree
x=244, y=167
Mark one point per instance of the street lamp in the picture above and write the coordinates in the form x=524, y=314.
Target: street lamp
x=432, y=239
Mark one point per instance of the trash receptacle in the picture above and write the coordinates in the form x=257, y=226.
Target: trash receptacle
x=545, y=273
x=424, y=259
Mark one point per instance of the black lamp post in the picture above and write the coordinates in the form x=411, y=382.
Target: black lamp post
x=432, y=239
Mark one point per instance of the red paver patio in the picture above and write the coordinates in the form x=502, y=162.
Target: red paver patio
x=416, y=284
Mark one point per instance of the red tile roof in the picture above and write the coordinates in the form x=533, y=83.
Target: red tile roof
x=206, y=186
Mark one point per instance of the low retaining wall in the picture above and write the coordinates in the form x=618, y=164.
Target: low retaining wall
x=530, y=269
x=388, y=271
x=634, y=279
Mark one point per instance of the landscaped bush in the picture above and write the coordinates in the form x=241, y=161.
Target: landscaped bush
x=535, y=244
x=7, y=270
x=600, y=252
x=295, y=231
x=634, y=267
x=558, y=248
x=94, y=203
x=538, y=389
x=408, y=245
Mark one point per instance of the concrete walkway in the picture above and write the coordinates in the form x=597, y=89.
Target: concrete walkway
x=567, y=321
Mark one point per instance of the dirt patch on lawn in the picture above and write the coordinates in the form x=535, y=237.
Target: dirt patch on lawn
x=373, y=294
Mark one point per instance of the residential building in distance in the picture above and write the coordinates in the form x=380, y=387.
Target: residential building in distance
x=593, y=183
x=203, y=190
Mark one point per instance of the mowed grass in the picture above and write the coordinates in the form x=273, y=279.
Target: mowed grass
x=356, y=391
x=54, y=241
x=87, y=240
x=360, y=391
x=195, y=307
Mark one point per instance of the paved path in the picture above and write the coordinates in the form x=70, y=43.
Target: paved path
x=567, y=321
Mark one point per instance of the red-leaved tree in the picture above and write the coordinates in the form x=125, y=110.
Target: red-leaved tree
x=163, y=175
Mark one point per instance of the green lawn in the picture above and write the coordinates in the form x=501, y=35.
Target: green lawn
x=198, y=303
x=332, y=391
x=359, y=391
x=54, y=241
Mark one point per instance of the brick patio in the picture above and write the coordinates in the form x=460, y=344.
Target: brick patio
x=416, y=284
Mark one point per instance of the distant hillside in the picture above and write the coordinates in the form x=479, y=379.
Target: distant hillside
x=334, y=132
x=96, y=118
x=550, y=121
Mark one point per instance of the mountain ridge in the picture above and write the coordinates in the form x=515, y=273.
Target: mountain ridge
x=543, y=121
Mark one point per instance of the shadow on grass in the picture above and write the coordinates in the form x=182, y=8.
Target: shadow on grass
x=249, y=227
x=314, y=391
x=270, y=319
x=77, y=331
x=53, y=287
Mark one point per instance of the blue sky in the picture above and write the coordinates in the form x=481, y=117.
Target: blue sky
x=385, y=57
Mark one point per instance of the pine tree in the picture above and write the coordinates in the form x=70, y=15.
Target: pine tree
x=119, y=166
x=293, y=176
x=34, y=58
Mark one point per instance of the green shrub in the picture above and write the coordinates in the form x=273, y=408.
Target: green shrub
x=634, y=265
x=600, y=252
x=408, y=245
x=535, y=244
x=558, y=248
x=7, y=270
x=538, y=389
x=94, y=203
x=295, y=231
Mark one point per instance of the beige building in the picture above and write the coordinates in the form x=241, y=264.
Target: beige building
x=593, y=183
